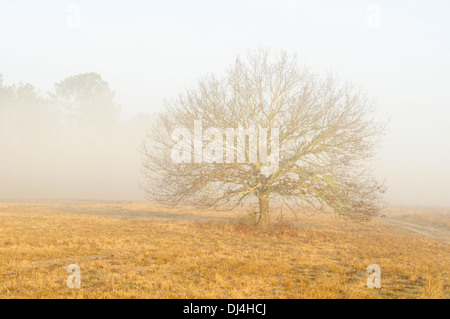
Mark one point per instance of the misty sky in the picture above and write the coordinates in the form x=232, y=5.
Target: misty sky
x=147, y=51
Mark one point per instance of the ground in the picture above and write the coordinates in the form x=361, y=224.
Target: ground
x=140, y=250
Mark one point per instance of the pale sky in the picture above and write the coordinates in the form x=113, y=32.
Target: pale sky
x=150, y=50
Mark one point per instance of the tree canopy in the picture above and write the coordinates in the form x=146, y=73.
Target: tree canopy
x=327, y=130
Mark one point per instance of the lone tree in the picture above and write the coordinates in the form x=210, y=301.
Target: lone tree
x=321, y=133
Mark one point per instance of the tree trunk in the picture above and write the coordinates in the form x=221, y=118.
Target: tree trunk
x=264, y=209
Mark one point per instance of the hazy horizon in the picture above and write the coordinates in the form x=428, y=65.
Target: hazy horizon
x=147, y=52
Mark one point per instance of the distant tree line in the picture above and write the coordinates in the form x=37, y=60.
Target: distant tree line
x=68, y=143
x=81, y=105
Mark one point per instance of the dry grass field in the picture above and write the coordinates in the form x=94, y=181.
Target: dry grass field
x=139, y=250
x=436, y=218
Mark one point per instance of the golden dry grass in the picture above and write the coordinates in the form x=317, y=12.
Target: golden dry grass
x=439, y=218
x=125, y=252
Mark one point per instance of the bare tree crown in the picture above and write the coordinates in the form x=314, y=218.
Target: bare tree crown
x=327, y=131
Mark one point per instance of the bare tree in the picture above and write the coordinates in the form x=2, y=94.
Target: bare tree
x=25, y=115
x=87, y=103
x=326, y=132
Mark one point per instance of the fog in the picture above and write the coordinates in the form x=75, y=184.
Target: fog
x=70, y=144
x=81, y=83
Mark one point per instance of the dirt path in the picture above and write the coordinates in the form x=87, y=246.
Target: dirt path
x=436, y=233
